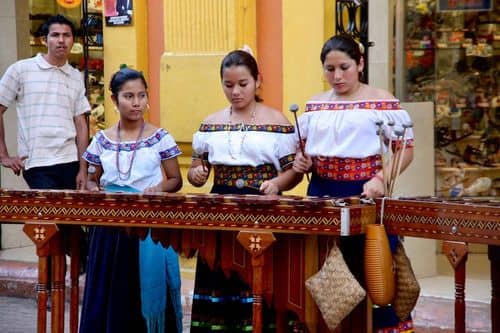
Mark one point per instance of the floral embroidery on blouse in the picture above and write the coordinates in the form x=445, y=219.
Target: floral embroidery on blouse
x=363, y=105
x=239, y=127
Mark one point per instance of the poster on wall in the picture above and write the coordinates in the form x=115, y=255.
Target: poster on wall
x=118, y=12
x=463, y=5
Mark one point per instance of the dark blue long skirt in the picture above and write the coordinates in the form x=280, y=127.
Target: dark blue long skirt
x=111, y=301
x=222, y=304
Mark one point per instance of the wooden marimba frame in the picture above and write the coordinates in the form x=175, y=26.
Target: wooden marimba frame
x=174, y=217
x=456, y=222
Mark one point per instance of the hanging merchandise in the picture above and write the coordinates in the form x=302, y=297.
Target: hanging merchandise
x=452, y=53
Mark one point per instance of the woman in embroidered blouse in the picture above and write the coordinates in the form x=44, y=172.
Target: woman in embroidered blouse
x=250, y=148
x=131, y=156
x=246, y=141
x=342, y=147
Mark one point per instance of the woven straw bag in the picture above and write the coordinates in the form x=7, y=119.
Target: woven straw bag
x=334, y=289
x=407, y=287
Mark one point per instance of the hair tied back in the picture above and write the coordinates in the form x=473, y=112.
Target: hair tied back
x=247, y=49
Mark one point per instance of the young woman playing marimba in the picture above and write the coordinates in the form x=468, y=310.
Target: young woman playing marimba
x=344, y=130
x=130, y=282
x=250, y=147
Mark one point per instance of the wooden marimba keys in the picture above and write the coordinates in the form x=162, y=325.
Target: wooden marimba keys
x=176, y=218
x=456, y=222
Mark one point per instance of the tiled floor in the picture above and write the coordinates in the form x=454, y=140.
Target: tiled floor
x=434, y=311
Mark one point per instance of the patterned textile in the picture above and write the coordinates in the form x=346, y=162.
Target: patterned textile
x=112, y=299
x=149, y=153
x=347, y=168
x=251, y=176
x=401, y=327
x=239, y=127
x=362, y=105
x=252, y=145
x=349, y=129
x=222, y=303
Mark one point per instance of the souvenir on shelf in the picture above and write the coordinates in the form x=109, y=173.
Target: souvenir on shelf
x=452, y=58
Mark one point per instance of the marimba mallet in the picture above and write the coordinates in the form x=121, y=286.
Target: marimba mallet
x=401, y=155
x=380, y=134
x=294, y=108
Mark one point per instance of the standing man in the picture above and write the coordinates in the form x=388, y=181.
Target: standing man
x=51, y=105
x=52, y=131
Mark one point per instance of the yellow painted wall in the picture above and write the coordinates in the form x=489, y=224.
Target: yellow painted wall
x=124, y=45
x=197, y=35
x=303, y=37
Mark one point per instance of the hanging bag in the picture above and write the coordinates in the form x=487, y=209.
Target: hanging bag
x=407, y=287
x=334, y=289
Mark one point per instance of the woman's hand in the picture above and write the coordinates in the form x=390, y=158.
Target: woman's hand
x=302, y=163
x=269, y=187
x=92, y=186
x=154, y=188
x=373, y=188
x=198, y=175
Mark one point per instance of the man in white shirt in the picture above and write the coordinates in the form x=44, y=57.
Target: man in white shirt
x=49, y=95
x=52, y=130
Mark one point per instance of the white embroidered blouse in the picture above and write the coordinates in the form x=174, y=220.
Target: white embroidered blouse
x=349, y=129
x=245, y=145
x=146, y=165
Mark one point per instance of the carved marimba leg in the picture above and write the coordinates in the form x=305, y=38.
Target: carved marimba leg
x=494, y=256
x=74, y=274
x=256, y=243
x=41, y=289
x=58, y=269
x=40, y=235
x=457, y=252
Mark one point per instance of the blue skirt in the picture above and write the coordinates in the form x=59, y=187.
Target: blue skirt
x=221, y=303
x=112, y=299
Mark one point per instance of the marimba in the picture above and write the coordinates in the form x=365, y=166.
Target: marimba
x=255, y=218
x=456, y=222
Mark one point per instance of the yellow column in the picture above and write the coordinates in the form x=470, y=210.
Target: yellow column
x=303, y=37
x=304, y=29
x=124, y=45
x=197, y=34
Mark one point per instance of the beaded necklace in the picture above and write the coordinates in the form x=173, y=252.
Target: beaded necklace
x=243, y=128
x=126, y=175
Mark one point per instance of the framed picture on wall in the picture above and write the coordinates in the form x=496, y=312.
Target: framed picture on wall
x=118, y=12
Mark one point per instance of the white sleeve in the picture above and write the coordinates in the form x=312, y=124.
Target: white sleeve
x=93, y=152
x=286, y=148
x=200, y=146
x=168, y=148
